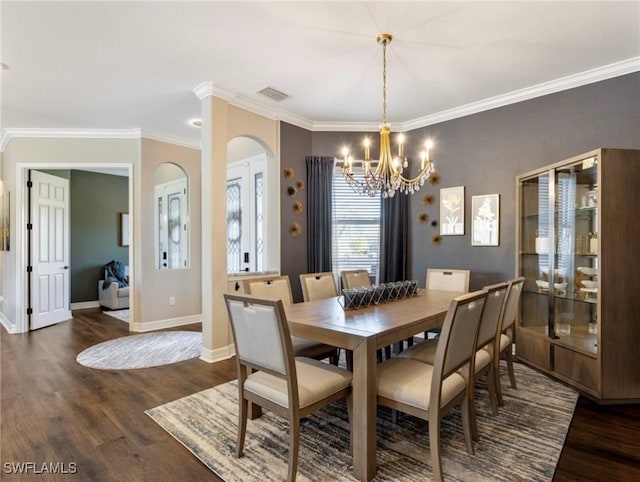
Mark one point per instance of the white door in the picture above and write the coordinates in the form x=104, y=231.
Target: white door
x=49, y=250
x=246, y=217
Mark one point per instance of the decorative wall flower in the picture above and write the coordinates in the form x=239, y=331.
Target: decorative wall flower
x=300, y=185
x=291, y=190
x=436, y=239
x=297, y=207
x=288, y=173
x=434, y=223
x=295, y=230
x=427, y=199
x=423, y=218
x=434, y=178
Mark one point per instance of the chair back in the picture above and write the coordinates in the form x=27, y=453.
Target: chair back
x=355, y=278
x=260, y=334
x=457, y=342
x=448, y=280
x=317, y=286
x=511, y=305
x=492, y=313
x=277, y=288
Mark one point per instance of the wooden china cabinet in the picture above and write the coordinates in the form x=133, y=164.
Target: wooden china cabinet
x=578, y=247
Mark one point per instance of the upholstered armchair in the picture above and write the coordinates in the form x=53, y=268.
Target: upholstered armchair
x=113, y=296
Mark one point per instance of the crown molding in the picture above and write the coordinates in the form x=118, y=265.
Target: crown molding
x=11, y=133
x=354, y=127
x=169, y=139
x=264, y=108
x=598, y=74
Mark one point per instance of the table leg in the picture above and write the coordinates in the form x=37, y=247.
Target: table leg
x=364, y=410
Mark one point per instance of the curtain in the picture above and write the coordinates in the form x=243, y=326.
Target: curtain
x=394, y=238
x=319, y=179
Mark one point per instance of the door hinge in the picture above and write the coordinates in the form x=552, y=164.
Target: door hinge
x=29, y=269
x=29, y=311
x=29, y=226
x=29, y=183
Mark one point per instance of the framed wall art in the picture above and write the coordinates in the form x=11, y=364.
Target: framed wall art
x=452, y=211
x=485, y=223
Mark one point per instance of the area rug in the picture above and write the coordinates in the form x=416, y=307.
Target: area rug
x=522, y=443
x=120, y=314
x=143, y=351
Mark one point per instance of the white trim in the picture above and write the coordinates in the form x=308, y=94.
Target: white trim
x=10, y=133
x=564, y=83
x=83, y=305
x=219, y=354
x=10, y=327
x=264, y=108
x=163, y=324
x=169, y=139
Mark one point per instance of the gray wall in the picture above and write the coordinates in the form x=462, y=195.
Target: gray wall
x=295, y=145
x=485, y=152
x=96, y=203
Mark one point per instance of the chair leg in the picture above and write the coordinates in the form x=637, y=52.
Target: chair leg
x=434, y=446
x=491, y=385
x=498, y=383
x=294, y=436
x=242, y=425
x=468, y=422
x=334, y=357
x=512, y=375
x=349, y=357
x=387, y=352
x=472, y=415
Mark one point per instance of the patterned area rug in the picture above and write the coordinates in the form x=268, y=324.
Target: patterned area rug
x=522, y=443
x=143, y=351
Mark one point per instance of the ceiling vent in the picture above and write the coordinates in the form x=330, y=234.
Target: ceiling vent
x=273, y=94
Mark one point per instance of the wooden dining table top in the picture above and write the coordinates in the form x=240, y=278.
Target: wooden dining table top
x=363, y=331
x=389, y=320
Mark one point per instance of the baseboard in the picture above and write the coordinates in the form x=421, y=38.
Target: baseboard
x=219, y=354
x=10, y=327
x=83, y=305
x=163, y=324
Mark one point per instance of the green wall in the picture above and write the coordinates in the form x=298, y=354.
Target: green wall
x=96, y=203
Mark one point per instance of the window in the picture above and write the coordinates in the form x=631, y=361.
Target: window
x=356, y=228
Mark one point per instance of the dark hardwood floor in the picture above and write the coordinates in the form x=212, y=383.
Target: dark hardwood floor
x=53, y=410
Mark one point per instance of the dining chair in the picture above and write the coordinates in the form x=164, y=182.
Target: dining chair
x=270, y=376
x=357, y=278
x=318, y=286
x=488, y=334
x=430, y=391
x=446, y=280
x=279, y=288
x=507, y=332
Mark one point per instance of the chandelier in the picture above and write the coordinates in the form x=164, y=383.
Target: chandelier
x=387, y=176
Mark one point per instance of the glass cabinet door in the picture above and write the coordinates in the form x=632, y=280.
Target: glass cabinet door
x=535, y=242
x=575, y=293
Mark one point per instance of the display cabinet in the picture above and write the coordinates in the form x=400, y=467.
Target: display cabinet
x=578, y=248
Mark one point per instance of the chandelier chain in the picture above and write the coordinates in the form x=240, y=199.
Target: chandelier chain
x=384, y=82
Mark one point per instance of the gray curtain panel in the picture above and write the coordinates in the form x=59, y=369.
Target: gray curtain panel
x=394, y=238
x=319, y=179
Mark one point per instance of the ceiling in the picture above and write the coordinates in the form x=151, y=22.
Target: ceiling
x=126, y=65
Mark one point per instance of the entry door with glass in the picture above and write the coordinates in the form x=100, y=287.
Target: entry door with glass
x=246, y=220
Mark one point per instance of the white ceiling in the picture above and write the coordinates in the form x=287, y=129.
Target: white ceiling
x=125, y=65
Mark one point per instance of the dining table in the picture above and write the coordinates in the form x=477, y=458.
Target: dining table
x=363, y=331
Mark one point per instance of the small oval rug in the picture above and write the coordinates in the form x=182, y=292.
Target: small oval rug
x=143, y=351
